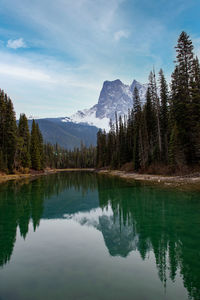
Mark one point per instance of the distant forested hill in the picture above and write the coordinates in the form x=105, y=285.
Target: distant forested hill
x=66, y=134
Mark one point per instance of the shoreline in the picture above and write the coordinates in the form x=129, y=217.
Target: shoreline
x=11, y=177
x=186, y=182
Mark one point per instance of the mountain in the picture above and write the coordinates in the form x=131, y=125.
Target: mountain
x=115, y=96
x=69, y=132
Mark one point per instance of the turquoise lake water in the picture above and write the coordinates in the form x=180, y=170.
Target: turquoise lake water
x=84, y=236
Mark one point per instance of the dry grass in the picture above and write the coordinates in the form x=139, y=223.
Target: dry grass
x=5, y=177
x=26, y=173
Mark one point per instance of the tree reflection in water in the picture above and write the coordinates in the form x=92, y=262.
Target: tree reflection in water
x=142, y=218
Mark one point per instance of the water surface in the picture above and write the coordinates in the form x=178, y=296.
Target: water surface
x=85, y=236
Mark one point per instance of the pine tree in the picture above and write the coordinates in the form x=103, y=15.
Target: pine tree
x=34, y=148
x=164, y=97
x=101, y=148
x=122, y=141
x=110, y=145
x=10, y=138
x=40, y=146
x=195, y=112
x=156, y=107
x=117, y=151
x=143, y=141
x=175, y=155
x=184, y=60
x=24, y=135
x=150, y=120
x=181, y=96
x=137, y=129
x=3, y=158
x=130, y=135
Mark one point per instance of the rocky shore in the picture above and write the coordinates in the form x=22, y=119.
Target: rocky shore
x=190, y=181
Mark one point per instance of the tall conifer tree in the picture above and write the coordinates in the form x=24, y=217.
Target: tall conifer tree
x=137, y=129
x=11, y=134
x=164, y=97
x=24, y=135
x=181, y=96
x=195, y=112
x=34, y=148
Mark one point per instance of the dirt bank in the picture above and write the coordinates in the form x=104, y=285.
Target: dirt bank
x=186, y=182
x=32, y=174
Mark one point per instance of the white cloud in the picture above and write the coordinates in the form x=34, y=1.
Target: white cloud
x=15, y=44
x=26, y=73
x=121, y=34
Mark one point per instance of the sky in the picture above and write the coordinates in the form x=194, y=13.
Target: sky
x=55, y=55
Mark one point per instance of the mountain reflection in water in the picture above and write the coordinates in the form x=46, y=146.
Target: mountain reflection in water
x=131, y=217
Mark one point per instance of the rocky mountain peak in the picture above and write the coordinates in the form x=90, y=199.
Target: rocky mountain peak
x=115, y=96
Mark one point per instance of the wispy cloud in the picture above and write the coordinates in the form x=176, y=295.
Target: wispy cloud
x=38, y=81
x=49, y=71
x=24, y=73
x=16, y=44
x=121, y=34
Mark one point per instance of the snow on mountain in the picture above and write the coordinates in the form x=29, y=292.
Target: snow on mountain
x=114, y=97
x=88, y=116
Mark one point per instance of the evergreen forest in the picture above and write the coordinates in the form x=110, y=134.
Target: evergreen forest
x=22, y=150
x=164, y=133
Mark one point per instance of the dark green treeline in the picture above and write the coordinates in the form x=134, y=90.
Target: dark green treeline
x=58, y=157
x=166, y=130
x=21, y=150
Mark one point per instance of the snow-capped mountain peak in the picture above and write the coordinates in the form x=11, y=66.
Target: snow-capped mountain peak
x=115, y=96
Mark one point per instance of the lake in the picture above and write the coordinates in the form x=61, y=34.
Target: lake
x=85, y=236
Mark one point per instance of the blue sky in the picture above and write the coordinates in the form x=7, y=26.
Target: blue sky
x=55, y=55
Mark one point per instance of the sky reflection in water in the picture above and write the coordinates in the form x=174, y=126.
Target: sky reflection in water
x=84, y=236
